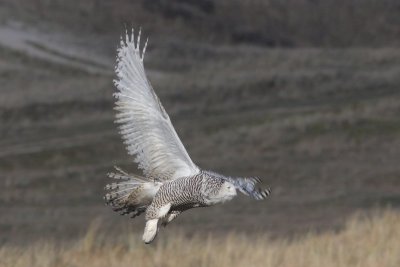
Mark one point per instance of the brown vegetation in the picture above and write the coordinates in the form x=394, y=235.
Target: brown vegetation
x=367, y=241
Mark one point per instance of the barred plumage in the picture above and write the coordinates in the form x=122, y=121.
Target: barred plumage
x=172, y=183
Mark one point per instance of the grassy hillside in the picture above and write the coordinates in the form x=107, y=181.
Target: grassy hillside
x=290, y=23
x=319, y=126
x=304, y=94
x=367, y=241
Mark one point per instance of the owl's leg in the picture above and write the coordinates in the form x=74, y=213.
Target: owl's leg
x=152, y=217
x=150, y=231
x=170, y=217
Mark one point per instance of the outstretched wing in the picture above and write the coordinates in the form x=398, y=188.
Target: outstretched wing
x=144, y=124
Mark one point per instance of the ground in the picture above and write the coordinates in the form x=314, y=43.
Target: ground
x=320, y=126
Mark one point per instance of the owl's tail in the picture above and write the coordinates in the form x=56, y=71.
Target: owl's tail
x=130, y=194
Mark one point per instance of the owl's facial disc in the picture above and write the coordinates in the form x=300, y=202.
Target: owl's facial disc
x=225, y=192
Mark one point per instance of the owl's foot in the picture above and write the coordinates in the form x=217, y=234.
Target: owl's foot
x=170, y=217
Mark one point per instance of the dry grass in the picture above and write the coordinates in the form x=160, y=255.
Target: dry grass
x=365, y=241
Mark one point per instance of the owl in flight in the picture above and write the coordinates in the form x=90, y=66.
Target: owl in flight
x=171, y=182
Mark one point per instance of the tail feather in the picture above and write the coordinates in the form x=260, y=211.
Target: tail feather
x=131, y=194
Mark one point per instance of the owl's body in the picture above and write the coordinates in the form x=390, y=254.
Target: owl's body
x=172, y=183
x=201, y=190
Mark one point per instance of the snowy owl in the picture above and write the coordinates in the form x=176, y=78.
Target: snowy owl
x=171, y=182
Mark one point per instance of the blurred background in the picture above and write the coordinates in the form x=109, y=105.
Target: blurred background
x=302, y=93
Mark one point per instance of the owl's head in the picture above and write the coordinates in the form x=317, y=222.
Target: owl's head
x=225, y=192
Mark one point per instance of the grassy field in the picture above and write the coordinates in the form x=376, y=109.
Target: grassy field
x=308, y=101
x=320, y=127
x=366, y=240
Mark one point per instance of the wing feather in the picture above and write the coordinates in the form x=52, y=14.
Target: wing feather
x=145, y=126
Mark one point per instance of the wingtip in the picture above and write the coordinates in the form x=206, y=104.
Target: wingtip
x=144, y=48
x=138, y=39
x=129, y=38
x=265, y=193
